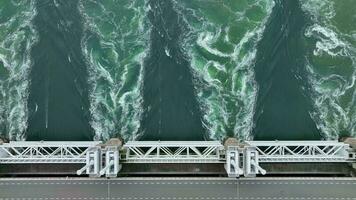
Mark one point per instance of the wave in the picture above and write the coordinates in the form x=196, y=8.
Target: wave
x=17, y=36
x=115, y=44
x=331, y=39
x=221, y=40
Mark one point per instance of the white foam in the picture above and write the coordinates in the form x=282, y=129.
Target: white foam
x=16, y=58
x=205, y=40
x=56, y=3
x=166, y=50
x=332, y=115
x=115, y=109
x=239, y=90
x=328, y=41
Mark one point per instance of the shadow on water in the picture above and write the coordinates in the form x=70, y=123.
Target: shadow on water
x=282, y=110
x=58, y=100
x=171, y=111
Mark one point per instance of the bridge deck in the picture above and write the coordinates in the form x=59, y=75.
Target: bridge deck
x=179, y=189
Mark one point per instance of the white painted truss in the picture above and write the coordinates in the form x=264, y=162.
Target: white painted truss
x=44, y=152
x=239, y=159
x=301, y=151
x=173, y=152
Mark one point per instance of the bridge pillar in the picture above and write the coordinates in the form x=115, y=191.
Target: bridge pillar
x=251, y=164
x=112, y=162
x=93, y=161
x=232, y=165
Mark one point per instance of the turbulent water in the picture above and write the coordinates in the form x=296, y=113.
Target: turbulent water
x=115, y=44
x=221, y=41
x=17, y=36
x=331, y=40
x=177, y=69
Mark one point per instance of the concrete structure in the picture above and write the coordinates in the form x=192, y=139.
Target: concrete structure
x=233, y=165
x=112, y=162
x=251, y=162
x=93, y=162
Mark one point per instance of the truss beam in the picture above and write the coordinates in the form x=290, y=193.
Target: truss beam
x=173, y=152
x=301, y=151
x=44, y=152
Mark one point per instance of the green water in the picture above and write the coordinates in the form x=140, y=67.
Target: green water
x=331, y=40
x=221, y=41
x=17, y=35
x=177, y=69
x=283, y=88
x=115, y=44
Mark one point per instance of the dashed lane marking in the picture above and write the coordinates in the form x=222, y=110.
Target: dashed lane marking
x=115, y=183
x=174, y=198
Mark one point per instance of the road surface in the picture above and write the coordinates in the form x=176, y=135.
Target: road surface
x=178, y=188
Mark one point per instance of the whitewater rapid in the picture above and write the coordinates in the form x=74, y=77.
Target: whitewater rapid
x=221, y=42
x=331, y=38
x=17, y=36
x=115, y=43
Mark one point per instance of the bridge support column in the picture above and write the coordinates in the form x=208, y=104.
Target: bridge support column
x=251, y=164
x=232, y=165
x=93, y=161
x=112, y=163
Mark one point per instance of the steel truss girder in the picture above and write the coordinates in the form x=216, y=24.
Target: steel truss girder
x=301, y=151
x=20, y=152
x=173, y=152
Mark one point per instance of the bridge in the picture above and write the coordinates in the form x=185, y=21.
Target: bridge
x=239, y=159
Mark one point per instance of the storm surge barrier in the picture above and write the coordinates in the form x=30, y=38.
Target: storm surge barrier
x=238, y=159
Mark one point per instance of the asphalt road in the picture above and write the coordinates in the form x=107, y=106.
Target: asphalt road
x=178, y=189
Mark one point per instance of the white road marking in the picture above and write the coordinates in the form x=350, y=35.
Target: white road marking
x=179, y=183
x=186, y=198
